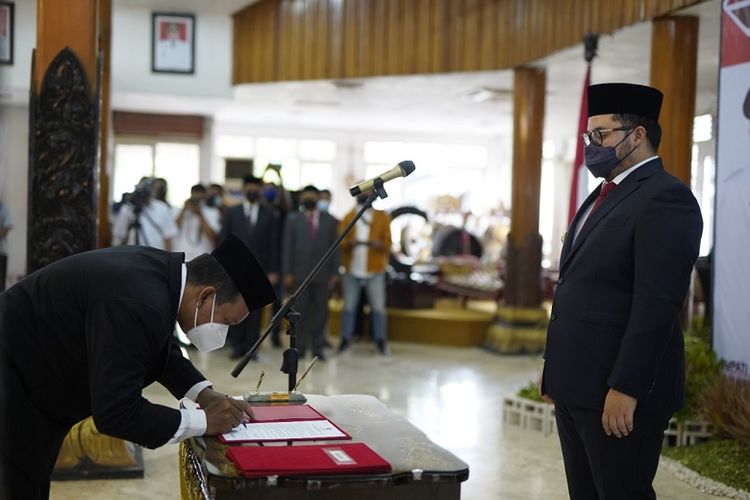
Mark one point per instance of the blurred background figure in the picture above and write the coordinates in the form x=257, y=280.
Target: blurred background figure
x=198, y=223
x=365, y=252
x=307, y=235
x=257, y=225
x=160, y=190
x=145, y=220
x=215, y=197
x=5, y=226
x=324, y=204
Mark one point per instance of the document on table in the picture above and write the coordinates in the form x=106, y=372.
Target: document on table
x=285, y=431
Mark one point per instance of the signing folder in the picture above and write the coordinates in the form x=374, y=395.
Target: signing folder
x=302, y=430
x=345, y=458
x=283, y=413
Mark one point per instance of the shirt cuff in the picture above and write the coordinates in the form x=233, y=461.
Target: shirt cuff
x=192, y=393
x=192, y=423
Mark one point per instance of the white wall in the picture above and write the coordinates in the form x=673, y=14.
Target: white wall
x=14, y=139
x=131, y=54
x=16, y=79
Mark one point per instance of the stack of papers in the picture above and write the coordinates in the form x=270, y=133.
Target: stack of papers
x=303, y=430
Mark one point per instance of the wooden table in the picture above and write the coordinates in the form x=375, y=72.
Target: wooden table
x=421, y=469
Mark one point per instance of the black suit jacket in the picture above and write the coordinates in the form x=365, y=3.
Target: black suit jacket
x=615, y=317
x=265, y=237
x=300, y=252
x=85, y=334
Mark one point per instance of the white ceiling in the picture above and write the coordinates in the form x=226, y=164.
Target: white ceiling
x=441, y=103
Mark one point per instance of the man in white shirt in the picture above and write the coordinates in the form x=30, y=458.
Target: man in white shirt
x=198, y=223
x=145, y=221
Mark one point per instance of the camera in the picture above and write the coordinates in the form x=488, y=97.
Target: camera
x=141, y=195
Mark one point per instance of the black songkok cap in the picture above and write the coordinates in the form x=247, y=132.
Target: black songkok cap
x=625, y=98
x=246, y=272
x=746, y=107
x=251, y=179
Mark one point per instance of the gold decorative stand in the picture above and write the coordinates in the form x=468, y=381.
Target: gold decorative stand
x=88, y=454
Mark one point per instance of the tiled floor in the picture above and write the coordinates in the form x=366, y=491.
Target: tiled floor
x=454, y=395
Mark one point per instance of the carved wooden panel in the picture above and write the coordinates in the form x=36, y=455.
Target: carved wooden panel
x=63, y=158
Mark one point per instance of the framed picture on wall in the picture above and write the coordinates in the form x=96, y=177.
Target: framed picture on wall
x=172, y=43
x=6, y=32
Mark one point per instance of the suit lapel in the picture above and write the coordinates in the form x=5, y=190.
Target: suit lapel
x=630, y=184
x=568, y=240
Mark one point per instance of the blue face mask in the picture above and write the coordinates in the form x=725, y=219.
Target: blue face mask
x=323, y=205
x=601, y=160
x=269, y=194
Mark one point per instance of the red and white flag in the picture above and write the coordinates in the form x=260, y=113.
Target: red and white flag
x=579, y=185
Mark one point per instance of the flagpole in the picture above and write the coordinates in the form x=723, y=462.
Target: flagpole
x=578, y=191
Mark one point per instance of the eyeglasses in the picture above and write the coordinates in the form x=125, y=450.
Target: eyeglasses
x=597, y=136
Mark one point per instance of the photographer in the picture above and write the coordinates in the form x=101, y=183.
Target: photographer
x=144, y=220
x=198, y=224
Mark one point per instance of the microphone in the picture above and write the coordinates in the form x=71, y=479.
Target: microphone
x=403, y=169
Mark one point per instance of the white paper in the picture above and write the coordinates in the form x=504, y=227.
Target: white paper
x=282, y=431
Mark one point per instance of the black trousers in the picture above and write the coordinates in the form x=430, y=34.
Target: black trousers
x=3, y=271
x=313, y=305
x=601, y=467
x=242, y=336
x=29, y=441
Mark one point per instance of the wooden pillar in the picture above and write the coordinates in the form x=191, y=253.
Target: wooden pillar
x=521, y=324
x=64, y=120
x=674, y=52
x=522, y=287
x=104, y=238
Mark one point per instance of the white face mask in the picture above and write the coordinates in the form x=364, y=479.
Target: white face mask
x=208, y=336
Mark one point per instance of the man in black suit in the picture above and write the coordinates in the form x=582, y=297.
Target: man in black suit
x=86, y=334
x=614, y=363
x=257, y=225
x=307, y=235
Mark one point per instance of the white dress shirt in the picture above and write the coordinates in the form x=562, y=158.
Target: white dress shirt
x=358, y=265
x=251, y=211
x=189, y=240
x=193, y=422
x=157, y=225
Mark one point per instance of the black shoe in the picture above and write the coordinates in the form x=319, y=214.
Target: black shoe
x=236, y=355
x=328, y=345
x=383, y=348
x=276, y=343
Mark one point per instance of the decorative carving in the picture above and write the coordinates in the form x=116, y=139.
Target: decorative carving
x=62, y=164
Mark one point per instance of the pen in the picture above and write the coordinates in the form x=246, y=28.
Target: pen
x=260, y=381
x=305, y=374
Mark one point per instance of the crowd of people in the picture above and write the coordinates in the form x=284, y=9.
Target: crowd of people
x=288, y=232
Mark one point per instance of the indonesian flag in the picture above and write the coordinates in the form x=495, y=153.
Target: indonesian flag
x=579, y=184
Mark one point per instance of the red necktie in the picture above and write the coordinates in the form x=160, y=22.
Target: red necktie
x=311, y=221
x=607, y=188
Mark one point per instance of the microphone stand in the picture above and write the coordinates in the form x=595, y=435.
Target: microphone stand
x=291, y=355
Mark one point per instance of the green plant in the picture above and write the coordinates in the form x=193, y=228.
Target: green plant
x=726, y=404
x=702, y=368
x=531, y=391
x=723, y=460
